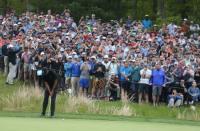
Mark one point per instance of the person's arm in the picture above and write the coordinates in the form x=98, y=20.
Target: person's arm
x=129, y=73
x=184, y=73
x=148, y=76
x=113, y=83
x=198, y=92
x=164, y=78
x=121, y=72
x=82, y=65
x=151, y=78
x=189, y=91
x=104, y=69
x=65, y=66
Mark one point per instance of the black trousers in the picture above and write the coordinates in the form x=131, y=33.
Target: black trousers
x=46, y=100
x=113, y=94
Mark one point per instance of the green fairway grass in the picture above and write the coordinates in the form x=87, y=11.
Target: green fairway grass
x=47, y=124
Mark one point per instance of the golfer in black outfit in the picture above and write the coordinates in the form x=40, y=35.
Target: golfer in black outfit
x=50, y=80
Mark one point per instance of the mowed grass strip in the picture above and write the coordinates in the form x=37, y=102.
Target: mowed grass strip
x=41, y=124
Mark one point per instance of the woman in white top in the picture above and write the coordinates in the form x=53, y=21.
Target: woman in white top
x=143, y=88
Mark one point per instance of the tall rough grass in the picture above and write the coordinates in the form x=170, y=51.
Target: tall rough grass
x=85, y=105
x=189, y=114
x=21, y=99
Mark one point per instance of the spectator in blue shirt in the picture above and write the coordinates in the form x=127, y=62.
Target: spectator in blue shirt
x=194, y=93
x=158, y=81
x=68, y=71
x=147, y=23
x=75, y=68
x=125, y=73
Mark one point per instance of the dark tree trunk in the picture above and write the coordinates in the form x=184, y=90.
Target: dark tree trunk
x=162, y=9
x=5, y=6
x=155, y=9
x=135, y=9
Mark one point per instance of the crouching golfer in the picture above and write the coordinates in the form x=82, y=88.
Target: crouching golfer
x=50, y=80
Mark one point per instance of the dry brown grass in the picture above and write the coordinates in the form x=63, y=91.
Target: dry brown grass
x=82, y=104
x=189, y=114
x=20, y=99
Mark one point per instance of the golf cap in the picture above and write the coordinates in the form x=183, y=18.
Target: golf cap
x=74, y=53
x=84, y=53
x=76, y=57
x=62, y=49
x=10, y=46
x=42, y=53
x=114, y=58
x=132, y=60
x=93, y=57
x=69, y=57
x=105, y=57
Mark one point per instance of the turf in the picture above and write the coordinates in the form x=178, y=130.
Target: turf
x=41, y=124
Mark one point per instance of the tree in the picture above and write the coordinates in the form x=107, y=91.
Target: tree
x=155, y=8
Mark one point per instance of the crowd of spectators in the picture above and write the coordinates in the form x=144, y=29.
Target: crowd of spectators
x=120, y=59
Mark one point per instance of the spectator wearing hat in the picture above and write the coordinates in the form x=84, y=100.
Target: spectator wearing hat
x=106, y=63
x=146, y=22
x=75, y=78
x=68, y=71
x=143, y=87
x=92, y=63
x=125, y=73
x=113, y=67
x=12, y=64
x=99, y=81
x=135, y=75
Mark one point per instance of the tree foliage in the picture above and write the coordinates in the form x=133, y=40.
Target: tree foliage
x=112, y=9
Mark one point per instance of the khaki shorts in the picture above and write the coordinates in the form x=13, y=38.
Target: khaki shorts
x=26, y=67
x=157, y=90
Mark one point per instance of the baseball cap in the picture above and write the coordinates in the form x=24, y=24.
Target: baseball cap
x=69, y=57
x=10, y=46
x=42, y=53
x=93, y=57
x=74, y=53
x=114, y=58
x=106, y=57
x=62, y=49
x=76, y=57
